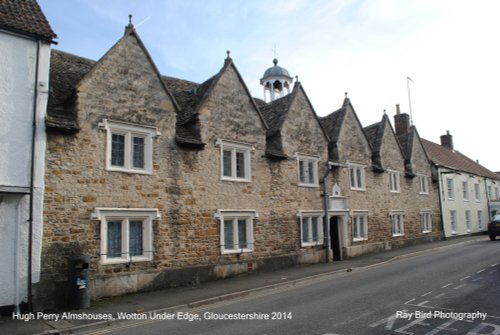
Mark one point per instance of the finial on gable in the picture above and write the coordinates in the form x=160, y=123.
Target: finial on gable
x=129, y=26
x=346, y=95
x=228, y=58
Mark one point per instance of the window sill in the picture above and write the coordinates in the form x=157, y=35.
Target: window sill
x=115, y=169
x=119, y=260
x=235, y=251
x=308, y=185
x=397, y=235
x=360, y=239
x=426, y=231
x=237, y=180
x=310, y=244
x=358, y=189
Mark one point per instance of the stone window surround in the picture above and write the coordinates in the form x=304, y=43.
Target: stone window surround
x=426, y=220
x=453, y=221
x=477, y=191
x=305, y=216
x=468, y=220
x=148, y=215
x=424, y=183
x=450, y=189
x=249, y=215
x=394, y=215
x=355, y=215
x=129, y=129
x=394, y=181
x=360, y=184
x=307, y=158
x=235, y=146
x=480, y=219
x=465, y=190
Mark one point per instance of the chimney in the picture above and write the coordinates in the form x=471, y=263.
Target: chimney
x=447, y=140
x=401, y=122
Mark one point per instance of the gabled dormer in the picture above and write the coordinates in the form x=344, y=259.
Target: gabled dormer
x=348, y=141
x=221, y=106
x=294, y=126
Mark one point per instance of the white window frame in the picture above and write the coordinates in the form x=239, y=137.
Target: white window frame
x=129, y=131
x=450, y=188
x=359, y=219
x=468, y=220
x=394, y=181
x=236, y=147
x=426, y=221
x=453, y=221
x=477, y=191
x=147, y=215
x=306, y=159
x=359, y=180
x=465, y=186
x=397, y=223
x=424, y=183
x=490, y=192
x=306, y=217
x=235, y=215
x=497, y=194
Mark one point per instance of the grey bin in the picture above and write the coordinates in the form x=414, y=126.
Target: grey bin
x=78, y=282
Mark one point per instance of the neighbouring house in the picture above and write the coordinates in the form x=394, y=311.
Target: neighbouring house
x=164, y=182
x=383, y=195
x=25, y=44
x=469, y=192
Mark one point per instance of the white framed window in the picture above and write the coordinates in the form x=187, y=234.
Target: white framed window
x=394, y=181
x=497, y=194
x=359, y=226
x=235, y=160
x=311, y=228
x=307, y=170
x=126, y=234
x=453, y=221
x=426, y=221
x=465, y=187
x=424, y=184
x=357, y=177
x=450, y=188
x=490, y=193
x=468, y=220
x=480, y=219
x=236, y=230
x=477, y=191
x=129, y=147
x=397, y=223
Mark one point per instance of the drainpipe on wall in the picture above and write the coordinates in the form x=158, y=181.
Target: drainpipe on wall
x=441, y=199
x=487, y=199
x=325, y=215
x=32, y=181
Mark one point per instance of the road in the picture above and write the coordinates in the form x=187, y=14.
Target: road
x=454, y=290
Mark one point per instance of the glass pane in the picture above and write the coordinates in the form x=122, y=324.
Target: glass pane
x=362, y=227
x=311, y=172
x=302, y=172
x=226, y=163
x=138, y=153
x=353, y=178
x=315, y=229
x=305, y=230
x=358, y=178
x=117, y=150
x=135, y=238
x=240, y=164
x=242, y=233
x=355, y=231
x=228, y=234
x=114, y=238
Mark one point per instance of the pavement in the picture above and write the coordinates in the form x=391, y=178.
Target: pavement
x=181, y=298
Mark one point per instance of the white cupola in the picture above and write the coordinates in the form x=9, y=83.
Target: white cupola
x=276, y=81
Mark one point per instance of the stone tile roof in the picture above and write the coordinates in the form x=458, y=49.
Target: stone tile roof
x=453, y=159
x=66, y=71
x=275, y=113
x=25, y=16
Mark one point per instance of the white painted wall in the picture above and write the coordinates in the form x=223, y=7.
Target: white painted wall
x=460, y=204
x=17, y=94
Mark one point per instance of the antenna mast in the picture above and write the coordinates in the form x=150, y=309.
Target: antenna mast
x=408, y=79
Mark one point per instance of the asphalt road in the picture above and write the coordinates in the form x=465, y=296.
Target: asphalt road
x=449, y=291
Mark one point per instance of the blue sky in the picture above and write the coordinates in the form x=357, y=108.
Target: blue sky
x=367, y=48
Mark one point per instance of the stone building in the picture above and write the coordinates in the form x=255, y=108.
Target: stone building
x=165, y=182
x=384, y=181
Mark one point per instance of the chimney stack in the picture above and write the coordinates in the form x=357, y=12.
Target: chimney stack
x=401, y=122
x=447, y=140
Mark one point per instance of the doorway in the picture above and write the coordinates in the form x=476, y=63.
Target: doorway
x=335, y=238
